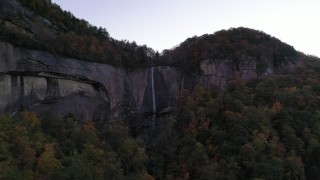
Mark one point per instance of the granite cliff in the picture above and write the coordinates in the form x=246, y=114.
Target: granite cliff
x=52, y=61
x=42, y=81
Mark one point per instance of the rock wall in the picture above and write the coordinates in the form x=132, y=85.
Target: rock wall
x=218, y=72
x=215, y=73
x=45, y=93
x=41, y=81
x=49, y=76
x=24, y=61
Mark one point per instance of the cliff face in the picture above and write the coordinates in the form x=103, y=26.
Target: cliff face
x=41, y=81
x=42, y=93
x=167, y=84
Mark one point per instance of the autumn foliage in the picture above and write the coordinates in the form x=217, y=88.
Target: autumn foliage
x=263, y=129
x=233, y=46
x=58, y=31
x=52, y=148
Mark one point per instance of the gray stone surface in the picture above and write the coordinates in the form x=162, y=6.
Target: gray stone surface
x=50, y=76
x=215, y=73
x=47, y=82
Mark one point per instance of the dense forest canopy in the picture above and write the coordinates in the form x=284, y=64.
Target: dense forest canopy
x=44, y=25
x=46, y=147
x=235, y=44
x=267, y=128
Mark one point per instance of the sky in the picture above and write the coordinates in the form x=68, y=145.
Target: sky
x=164, y=24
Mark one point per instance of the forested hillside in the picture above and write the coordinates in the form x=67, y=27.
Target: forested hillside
x=40, y=24
x=46, y=147
x=232, y=45
x=267, y=128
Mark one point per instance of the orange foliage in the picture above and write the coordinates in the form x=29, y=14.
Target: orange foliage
x=193, y=126
x=277, y=107
x=147, y=176
x=206, y=124
x=31, y=118
x=184, y=170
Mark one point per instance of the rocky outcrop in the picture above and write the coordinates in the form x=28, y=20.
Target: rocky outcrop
x=41, y=81
x=20, y=19
x=43, y=93
x=215, y=73
x=218, y=72
x=50, y=80
x=248, y=69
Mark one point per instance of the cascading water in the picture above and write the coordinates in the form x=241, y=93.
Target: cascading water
x=154, y=108
x=150, y=121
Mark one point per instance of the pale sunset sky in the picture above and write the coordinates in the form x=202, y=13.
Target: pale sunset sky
x=163, y=24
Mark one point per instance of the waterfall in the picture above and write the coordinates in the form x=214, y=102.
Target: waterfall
x=150, y=121
x=154, y=108
x=13, y=114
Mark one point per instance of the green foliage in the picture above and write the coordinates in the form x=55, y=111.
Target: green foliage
x=233, y=45
x=57, y=31
x=52, y=148
x=265, y=129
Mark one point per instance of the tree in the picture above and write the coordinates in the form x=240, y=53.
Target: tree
x=132, y=156
x=47, y=165
x=78, y=167
x=277, y=107
x=294, y=167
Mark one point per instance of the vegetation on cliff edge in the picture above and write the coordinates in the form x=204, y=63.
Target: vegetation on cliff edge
x=50, y=28
x=43, y=25
x=233, y=46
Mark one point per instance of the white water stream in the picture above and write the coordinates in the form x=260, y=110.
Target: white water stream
x=154, y=107
x=150, y=121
